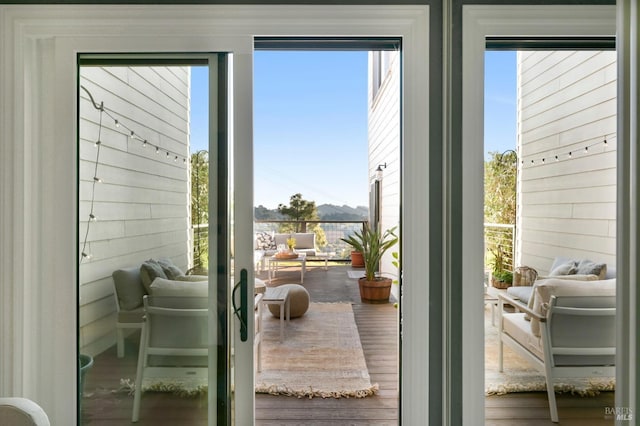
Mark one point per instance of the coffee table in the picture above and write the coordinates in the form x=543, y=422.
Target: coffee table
x=273, y=262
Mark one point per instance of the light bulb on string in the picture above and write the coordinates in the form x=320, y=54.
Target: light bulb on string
x=157, y=150
x=586, y=149
x=557, y=158
x=167, y=154
x=569, y=154
x=132, y=135
x=86, y=255
x=543, y=160
x=184, y=161
x=93, y=217
x=97, y=179
x=605, y=141
x=117, y=123
x=175, y=159
x=144, y=144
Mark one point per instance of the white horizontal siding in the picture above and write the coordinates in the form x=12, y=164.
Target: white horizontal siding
x=142, y=205
x=567, y=101
x=384, y=144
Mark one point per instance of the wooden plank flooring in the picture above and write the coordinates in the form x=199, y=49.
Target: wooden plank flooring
x=377, y=325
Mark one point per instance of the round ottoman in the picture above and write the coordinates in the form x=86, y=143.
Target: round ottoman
x=298, y=299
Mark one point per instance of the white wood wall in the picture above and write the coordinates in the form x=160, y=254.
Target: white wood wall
x=384, y=141
x=567, y=100
x=142, y=205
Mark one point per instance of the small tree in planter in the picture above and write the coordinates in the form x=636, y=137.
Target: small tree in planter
x=500, y=277
x=373, y=244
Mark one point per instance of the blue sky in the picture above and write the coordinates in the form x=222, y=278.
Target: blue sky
x=310, y=122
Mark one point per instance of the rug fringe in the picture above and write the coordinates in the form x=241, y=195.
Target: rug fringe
x=310, y=393
x=592, y=389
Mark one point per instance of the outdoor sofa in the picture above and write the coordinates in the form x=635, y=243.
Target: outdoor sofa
x=131, y=284
x=563, y=327
x=267, y=243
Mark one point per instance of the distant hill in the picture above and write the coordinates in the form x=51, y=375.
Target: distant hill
x=333, y=212
x=325, y=212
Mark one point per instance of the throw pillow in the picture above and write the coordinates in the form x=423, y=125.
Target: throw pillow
x=168, y=288
x=588, y=267
x=149, y=271
x=170, y=270
x=566, y=268
x=129, y=289
x=265, y=241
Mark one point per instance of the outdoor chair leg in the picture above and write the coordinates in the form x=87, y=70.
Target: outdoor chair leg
x=500, y=345
x=138, y=385
x=120, y=342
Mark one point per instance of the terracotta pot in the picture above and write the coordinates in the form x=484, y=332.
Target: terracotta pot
x=357, y=261
x=377, y=291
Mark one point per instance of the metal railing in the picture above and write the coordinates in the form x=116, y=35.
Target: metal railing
x=499, y=237
x=328, y=234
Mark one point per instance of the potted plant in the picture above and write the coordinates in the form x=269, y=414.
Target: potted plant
x=373, y=244
x=356, y=259
x=500, y=277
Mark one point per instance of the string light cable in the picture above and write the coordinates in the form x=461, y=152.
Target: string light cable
x=569, y=155
x=84, y=254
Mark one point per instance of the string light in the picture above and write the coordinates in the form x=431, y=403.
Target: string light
x=133, y=136
x=570, y=154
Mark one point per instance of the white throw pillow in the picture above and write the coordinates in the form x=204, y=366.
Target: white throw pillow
x=170, y=288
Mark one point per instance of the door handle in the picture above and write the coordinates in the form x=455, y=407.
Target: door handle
x=241, y=312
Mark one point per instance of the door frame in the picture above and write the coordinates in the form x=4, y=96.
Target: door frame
x=38, y=166
x=478, y=23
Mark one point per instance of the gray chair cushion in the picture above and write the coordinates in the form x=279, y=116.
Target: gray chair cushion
x=129, y=288
x=149, y=271
x=170, y=270
x=521, y=292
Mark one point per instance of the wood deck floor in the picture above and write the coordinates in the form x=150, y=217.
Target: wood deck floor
x=377, y=325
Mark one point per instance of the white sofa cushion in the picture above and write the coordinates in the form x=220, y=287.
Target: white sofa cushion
x=170, y=288
x=305, y=241
x=543, y=290
x=516, y=326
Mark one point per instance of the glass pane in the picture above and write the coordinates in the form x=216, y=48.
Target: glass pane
x=143, y=229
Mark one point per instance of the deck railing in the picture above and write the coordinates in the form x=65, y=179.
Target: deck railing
x=331, y=230
x=328, y=234
x=499, y=236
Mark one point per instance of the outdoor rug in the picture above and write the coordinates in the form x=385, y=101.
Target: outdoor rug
x=321, y=355
x=520, y=376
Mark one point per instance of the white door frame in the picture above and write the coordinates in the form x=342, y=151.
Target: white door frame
x=38, y=155
x=478, y=23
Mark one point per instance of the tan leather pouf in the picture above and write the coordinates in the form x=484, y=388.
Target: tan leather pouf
x=298, y=298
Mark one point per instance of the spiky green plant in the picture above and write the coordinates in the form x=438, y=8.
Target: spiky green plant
x=373, y=244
